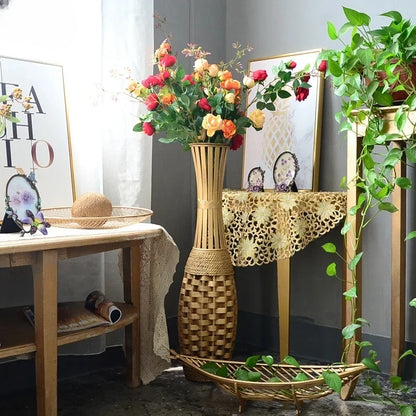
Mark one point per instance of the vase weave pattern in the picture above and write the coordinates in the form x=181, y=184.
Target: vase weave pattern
x=207, y=316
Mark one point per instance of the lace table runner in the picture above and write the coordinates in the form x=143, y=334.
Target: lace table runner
x=261, y=227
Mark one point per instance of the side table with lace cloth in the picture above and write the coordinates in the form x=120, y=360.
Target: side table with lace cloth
x=262, y=227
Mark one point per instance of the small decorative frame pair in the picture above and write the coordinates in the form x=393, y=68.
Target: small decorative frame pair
x=285, y=169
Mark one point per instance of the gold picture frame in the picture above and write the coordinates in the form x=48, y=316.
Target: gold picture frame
x=38, y=145
x=294, y=127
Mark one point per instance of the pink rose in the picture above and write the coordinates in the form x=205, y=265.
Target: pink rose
x=152, y=102
x=236, y=142
x=189, y=78
x=291, y=65
x=167, y=61
x=302, y=93
x=259, y=75
x=148, y=128
x=151, y=81
x=204, y=104
x=323, y=65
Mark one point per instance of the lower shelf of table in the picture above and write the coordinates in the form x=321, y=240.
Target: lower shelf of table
x=17, y=335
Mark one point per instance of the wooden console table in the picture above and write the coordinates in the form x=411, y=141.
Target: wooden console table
x=43, y=253
x=262, y=227
x=398, y=225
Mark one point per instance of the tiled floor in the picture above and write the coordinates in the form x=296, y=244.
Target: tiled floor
x=103, y=393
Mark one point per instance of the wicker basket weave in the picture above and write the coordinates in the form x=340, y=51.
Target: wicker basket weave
x=287, y=390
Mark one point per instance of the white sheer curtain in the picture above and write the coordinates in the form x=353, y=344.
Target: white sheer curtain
x=90, y=39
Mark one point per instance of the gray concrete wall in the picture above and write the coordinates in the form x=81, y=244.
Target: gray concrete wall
x=275, y=27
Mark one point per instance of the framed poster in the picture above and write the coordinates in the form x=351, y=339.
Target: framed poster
x=38, y=145
x=294, y=127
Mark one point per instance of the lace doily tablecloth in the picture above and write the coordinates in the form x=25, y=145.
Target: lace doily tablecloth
x=262, y=227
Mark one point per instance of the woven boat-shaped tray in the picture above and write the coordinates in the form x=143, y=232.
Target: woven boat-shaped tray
x=121, y=217
x=287, y=390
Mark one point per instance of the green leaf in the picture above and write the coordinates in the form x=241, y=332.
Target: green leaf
x=330, y=248
x=364, y=344
x=411, y=154
x=267, y=359
x=345, y=228
x=333, y=380
x=334, y=68
x=400, y=118
x=393, y=157
x=351, y=293
x=332, y=32
x=387, y=206
x=383, y=98
x=210, y=367
x=252, y=361
x=396, y=381
x=356, y=18
x=331, y=269
x=404, y=183
x=355, y=260
x=406, y=410
x=222, y=371
x=241, y=374
x=369, y=363
x=291, y=361
x=406, y=354
x=3, y=98
x=275, y=380
x=253, y=376
x=300, y=377
x=283, y=94
x=413, y=303
x=411, y=235
x=349, y=330
x=167, y=140
x=396, y=16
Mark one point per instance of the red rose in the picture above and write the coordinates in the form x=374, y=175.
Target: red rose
x=204, y=104
x=168, y=61
x=291, y=65
x=189, y=78
x=306, y=77
x=164, y=74
x=148, y=128
x=302, y=93
x=151, y=81
x=152, y=102
x=323, y=65
x=259, y=75
x=236, y=142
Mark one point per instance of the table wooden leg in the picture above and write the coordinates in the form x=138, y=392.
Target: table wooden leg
x=283, y=300
x=45, y=272
x=131, y=276
x=398, y=270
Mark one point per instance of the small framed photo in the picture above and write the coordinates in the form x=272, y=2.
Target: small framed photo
x=294, y=127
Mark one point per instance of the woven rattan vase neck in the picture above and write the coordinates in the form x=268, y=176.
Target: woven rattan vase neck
x=207, y=315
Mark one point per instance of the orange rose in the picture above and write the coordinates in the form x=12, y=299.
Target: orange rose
x=223, y=75
x=168, y=99
x=228, y=128
x=212, y=123
x=230, y=84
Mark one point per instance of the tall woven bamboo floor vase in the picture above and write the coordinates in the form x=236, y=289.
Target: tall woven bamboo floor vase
x=207, y=315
